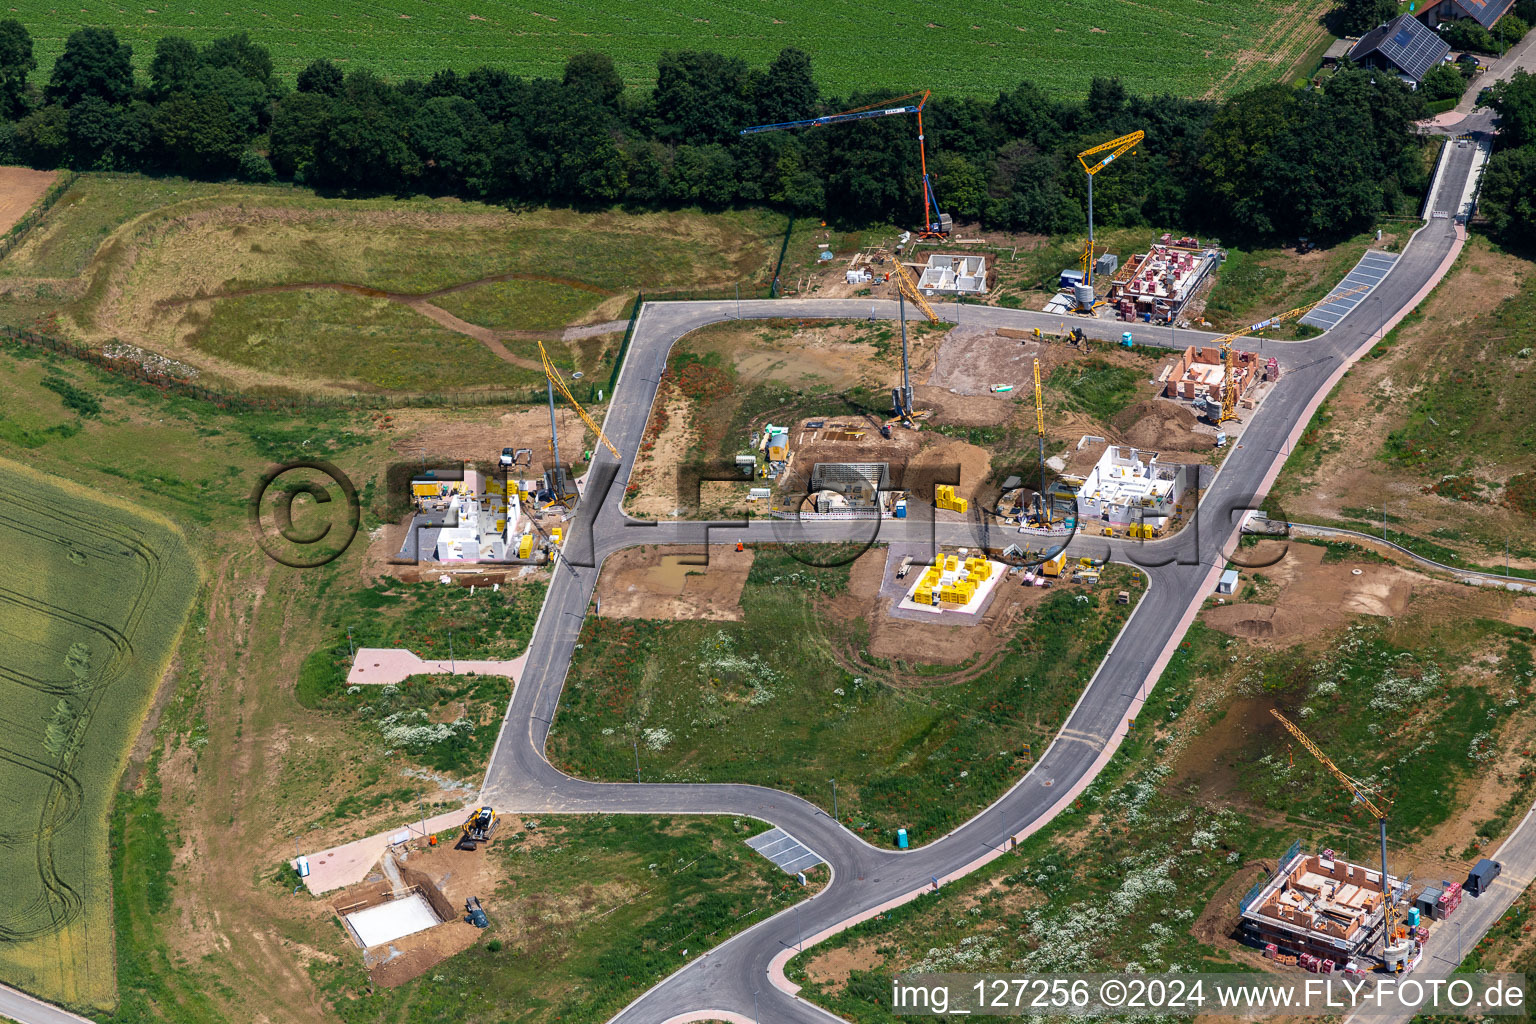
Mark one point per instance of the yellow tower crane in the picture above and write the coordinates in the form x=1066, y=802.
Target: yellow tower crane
x=1357, y=790
x=1113, y=150
x=1045, y=508
x=554, y=382
x=1228, y=361
x=908, y=288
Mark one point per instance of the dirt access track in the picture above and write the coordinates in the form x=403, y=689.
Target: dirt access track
x=20, y=188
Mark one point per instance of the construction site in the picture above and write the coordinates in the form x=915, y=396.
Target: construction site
x=411, y=899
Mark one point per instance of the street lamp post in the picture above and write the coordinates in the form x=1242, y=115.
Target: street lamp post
x=834, y=798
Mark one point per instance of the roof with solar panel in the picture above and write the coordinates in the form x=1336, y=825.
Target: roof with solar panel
x=1404, y=42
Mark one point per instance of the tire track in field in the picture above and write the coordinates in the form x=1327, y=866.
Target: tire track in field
x=420, y=302
x=57, y=903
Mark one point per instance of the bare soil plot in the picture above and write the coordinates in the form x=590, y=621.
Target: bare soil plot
x=20, y=187
x=659, y=583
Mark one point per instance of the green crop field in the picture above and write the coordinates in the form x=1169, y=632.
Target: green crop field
x=1181, y=46
x=93, y=600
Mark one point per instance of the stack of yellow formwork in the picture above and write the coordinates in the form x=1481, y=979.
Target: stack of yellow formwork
x=978, y=570
x=925, y=586
x=959, y=592
x=525, y=546
x=945, y=498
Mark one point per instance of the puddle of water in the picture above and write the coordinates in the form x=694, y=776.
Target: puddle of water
x=670, y=576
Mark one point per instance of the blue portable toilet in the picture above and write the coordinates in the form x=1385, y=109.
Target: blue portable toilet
x=1413, y=918
x=1126, y=339
x=901, y=839
x=301, y=865
x=901, y=509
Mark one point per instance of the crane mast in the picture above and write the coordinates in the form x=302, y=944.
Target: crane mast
x=935, y=224
x=1228, y=361
x=554, y=382
x=1357, y=790
x=1045, y=514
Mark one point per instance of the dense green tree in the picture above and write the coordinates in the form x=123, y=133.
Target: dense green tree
x=42, y=137
x=1508, y=197
x=321, y=77
x=1238, y=146
x=239, y=54
x=16, y=63
x=1106, y=99
x=93, y=63
x=1357, y=17
x=299, y=124
x=199, y=133
x=1028, y=113
x=451, y=138
x=246, y=97
x=100, y=135
x=701, y=98
x=1515, y=100
x=175, y=64
x=787, y=92
x=592, y=77
x=1466, y=34
x=1442, y=82
x=705, y=175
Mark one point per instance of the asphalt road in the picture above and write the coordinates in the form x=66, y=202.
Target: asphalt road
x=19, y=1006
x=734, y=977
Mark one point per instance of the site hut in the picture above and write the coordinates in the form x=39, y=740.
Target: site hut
x=1404, y=45
x=851, y=488
x=1316, y=906
x=1156, y=285
x=954, y=275
x=1228, y=582
x=465, y=516
x=1128, y=486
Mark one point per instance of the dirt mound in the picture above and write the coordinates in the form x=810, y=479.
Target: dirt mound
x=1159, y=425
x=1252, y=620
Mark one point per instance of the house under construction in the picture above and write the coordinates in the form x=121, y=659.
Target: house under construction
x=1316, y=906
x=1198, y=372
x=1156, y=284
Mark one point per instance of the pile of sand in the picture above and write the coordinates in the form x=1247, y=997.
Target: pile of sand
x=1160, y=426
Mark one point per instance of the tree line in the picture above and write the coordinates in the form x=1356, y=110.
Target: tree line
x=1275, y=162
x=1508, y=197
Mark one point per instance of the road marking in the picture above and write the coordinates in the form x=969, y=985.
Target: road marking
x=787, y=853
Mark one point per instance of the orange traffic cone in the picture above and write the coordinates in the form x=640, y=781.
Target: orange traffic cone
x=740, y=546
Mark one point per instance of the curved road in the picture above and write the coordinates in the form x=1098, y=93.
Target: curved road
x=739, y=974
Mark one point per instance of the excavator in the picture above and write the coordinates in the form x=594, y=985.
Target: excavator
x=477, y=829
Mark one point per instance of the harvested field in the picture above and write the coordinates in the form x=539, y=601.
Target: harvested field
x=418, y=294
x=660, y=583
x=94, y=599
x=20, y=187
